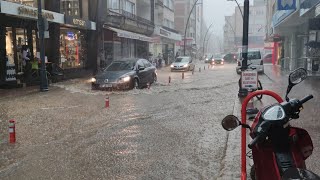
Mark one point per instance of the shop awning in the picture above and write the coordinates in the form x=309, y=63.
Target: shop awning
x=130, y=35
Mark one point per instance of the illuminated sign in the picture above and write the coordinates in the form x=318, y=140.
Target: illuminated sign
x=75, y=21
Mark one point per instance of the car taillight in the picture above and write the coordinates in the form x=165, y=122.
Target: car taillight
x=261, y=62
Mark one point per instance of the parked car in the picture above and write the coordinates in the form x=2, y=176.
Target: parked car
x=125, y=73
x=254, y=60
x=182, y=63
x=267, y=58
x=217, y=59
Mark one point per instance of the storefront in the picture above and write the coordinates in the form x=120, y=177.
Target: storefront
x=119, y=44
x=18, y=31
x=164, y=43
x=73, y=42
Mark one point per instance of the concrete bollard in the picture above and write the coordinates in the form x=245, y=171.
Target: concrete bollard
x=182, y=75
x=169, y=79
x=193, y=70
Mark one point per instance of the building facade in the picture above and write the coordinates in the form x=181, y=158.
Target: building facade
x=295, y=34
x=165, y=36
x=69, y=26
x=126, y=29
x=257, y=27
x=193, y=30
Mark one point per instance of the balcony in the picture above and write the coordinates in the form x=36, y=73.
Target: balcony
x=130, y=22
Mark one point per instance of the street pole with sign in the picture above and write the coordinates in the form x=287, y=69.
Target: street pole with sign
x=245, y=39
x=43, y=71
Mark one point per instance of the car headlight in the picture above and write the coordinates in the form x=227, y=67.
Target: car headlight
x=222, y=59
x=186, y=65
x=207, y=59
x=93, y=80
x=171, y=65
x=212, y=59
x=125, y=79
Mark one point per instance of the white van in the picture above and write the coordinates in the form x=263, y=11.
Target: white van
x=254, y=60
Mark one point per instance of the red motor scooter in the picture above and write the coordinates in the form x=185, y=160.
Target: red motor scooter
x=279, y=150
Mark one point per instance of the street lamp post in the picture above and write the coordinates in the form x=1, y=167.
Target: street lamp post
x=204, y=39
x=208, y=40
x=43, y=72
x=238, y=7
x=234, y=32
x=185, y=30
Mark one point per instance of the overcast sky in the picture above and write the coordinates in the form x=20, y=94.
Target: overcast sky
x=214, y=12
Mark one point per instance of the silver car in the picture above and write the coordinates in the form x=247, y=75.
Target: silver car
x=254, y=60
x=182, y=63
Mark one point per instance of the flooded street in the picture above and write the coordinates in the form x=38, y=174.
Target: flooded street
x=170, y=131
x=166, y=132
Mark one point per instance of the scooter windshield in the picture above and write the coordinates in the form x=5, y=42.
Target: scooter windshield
x=274, y=113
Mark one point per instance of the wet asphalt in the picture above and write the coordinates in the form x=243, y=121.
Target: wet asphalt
x=170, y=131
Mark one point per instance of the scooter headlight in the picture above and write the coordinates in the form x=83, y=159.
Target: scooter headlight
x=274, y=113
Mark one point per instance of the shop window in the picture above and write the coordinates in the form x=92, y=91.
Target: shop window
x=21, y=39
x=70, y=7
x=73, y=49
x=9, y=45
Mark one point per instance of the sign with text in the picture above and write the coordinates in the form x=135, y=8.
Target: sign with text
x=249, y=80
x=75, y=21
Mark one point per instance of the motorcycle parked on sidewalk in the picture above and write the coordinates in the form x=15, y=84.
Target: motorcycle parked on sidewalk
x=279, y=150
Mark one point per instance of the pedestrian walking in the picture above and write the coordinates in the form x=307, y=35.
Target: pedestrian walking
x=159, y=60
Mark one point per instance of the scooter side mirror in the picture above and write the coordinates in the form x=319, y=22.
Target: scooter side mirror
x=295, y=173
x=230, y=122
x=296, y=77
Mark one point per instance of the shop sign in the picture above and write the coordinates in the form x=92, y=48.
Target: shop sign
x=78, y=22
x=167, y=34
x=279, y=16
x=23, y=10
x=249, y=80
x=164, y=33
x=29, y=12
x=306, y=5
x=286, y=4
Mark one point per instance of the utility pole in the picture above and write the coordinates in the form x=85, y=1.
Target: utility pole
x=43, y=71
x=245, y=36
